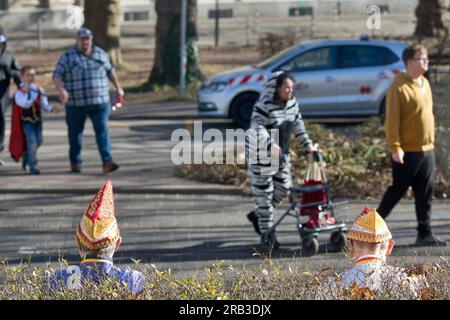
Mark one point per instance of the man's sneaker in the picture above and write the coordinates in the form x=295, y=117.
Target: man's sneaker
x=75, y=167
x=35, y=171
x=110, y=166
x=253, y=218
x=430, y=240
x=269, y=240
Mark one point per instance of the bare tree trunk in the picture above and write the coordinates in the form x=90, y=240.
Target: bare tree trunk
x=429, y=18
x=166, y=66
x=103, y=18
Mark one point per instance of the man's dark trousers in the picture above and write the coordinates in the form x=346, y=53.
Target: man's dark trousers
x=417, y=171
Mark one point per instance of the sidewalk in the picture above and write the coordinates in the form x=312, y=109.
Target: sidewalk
x=141, y=146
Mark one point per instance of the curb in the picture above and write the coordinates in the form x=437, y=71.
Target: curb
x=194, y=190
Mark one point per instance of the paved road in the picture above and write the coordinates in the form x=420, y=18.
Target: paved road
x=141, y=145
x=141, y=141
x=183, y=232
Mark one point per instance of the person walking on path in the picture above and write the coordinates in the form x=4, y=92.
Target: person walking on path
x=410, y=129
x=81, y=79
x=26, y=120
x=9, y=69
x=275, y=118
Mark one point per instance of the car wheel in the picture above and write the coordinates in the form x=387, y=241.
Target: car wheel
x=241, y=109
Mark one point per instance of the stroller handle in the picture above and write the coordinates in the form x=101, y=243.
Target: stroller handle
x=317, y=156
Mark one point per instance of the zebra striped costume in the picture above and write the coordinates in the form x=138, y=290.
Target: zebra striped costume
x=273, y=122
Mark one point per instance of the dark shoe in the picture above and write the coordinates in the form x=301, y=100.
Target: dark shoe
x=269, y=241
x=24, y=165
x=75, y=167
x=253, y=218
x=35, y=171
x=430, y=240
x=110, y=166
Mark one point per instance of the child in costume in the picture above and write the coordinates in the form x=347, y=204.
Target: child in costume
x=98, y=238
x=26, y=126
x=370, y=242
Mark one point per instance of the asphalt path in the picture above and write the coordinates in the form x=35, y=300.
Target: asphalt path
x=187, y=232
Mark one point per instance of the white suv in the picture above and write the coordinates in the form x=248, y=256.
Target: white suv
x=333, y=78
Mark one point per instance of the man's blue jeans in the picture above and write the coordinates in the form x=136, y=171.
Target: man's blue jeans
x=75, y=119
x=33, y=139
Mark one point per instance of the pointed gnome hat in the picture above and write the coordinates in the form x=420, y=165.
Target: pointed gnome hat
x=98, y=227
x=370, y=227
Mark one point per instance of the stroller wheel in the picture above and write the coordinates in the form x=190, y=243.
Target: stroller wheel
x=310, y=246
x=338, y=240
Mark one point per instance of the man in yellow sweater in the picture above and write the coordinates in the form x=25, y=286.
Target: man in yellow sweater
x=410, y=135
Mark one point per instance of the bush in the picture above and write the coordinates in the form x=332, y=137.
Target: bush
x=270, y=43
x=356, y=168
x=268, y=280
x=442, y=113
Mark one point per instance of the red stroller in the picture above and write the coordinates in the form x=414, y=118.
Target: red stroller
x=313, y=200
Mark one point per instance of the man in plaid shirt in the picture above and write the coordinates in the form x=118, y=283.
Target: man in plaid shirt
x=81, y=78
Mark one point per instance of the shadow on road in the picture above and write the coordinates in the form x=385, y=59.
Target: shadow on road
x=207, y=251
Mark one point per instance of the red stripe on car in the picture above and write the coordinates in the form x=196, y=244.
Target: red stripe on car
x=245, y=79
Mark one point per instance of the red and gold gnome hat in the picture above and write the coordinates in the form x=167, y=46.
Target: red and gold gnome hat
x=370, y=227
x=98, y=227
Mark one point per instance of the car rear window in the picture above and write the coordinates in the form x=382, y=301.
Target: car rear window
x=365, y=56
x=388, y=56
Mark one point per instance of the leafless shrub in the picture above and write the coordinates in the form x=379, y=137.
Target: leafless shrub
x=270, y=43
x=267, y=281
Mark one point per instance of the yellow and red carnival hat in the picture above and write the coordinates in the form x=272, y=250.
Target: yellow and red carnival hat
x=98, y=227
x=369, y=227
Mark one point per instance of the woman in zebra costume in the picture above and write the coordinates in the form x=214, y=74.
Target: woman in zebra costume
x=274, y=118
